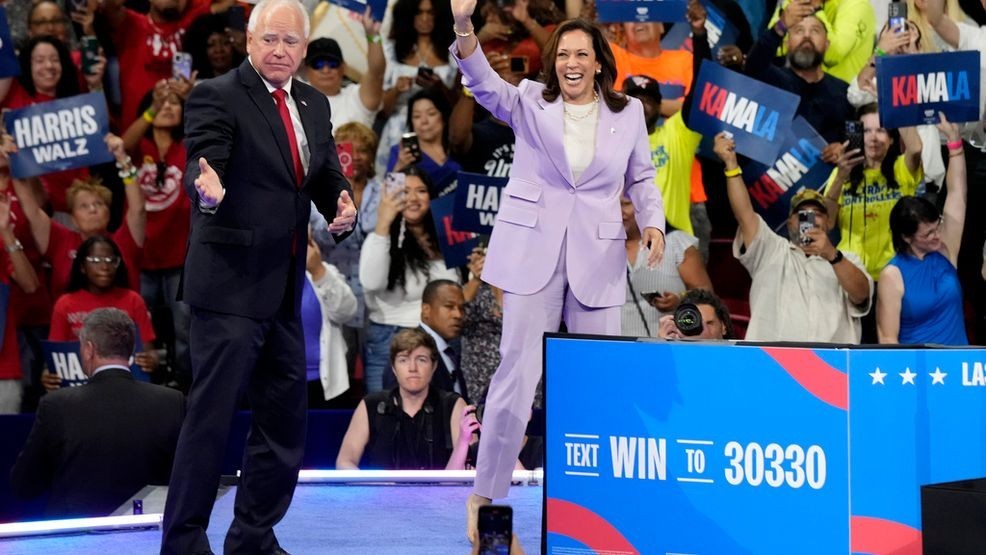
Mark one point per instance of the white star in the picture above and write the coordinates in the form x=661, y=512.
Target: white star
x=937, y=376
x=877, y=376
x=907, y=377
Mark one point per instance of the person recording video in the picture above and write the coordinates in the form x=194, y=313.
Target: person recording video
x=701, y=314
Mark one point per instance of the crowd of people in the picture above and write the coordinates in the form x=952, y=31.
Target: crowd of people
x=389, y=328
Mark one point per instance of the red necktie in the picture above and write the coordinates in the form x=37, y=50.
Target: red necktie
x=280, y=96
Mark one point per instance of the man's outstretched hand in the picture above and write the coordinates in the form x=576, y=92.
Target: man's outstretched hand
x=345, y=214
x=210, y=189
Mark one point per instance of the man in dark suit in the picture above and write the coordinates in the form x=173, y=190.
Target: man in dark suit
x=260, y=151
x=441, y=318
x=96, y=445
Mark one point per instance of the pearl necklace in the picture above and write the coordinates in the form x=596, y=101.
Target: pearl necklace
x=580, y=117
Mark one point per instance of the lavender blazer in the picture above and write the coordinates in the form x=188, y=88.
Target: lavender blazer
x=543, y=204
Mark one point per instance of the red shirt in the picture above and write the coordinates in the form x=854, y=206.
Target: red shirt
x=55, y=184
x=72, y=308
x=146, y=49
x=167, y=205
x=29, y=309
x=10, y=356
x=62, y=244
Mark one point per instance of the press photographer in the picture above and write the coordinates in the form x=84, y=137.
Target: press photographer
x=701, y=314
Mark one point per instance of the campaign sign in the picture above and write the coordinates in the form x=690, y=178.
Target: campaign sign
x=62, y=358
x=477, y=200
x=719, y=32
x=697, y=448
x=913, y=88
x=757, y=114
x=377, y=7
x=455, y=245
x=616, y=11
x=59, y=135
x=8, y=57
x=916, y=419
x=798, y=167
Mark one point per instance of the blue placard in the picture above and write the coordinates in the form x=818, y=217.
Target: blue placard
x=377, y=7
x=916, y=419
x=477, y=201
x=8, y=56
x=757, y=114
x=719, y=32
x=913, y=88
x=616, y=11
x=799, y=166
x=59, y=135
x=454, y=244
x=696, y=448
x=62, y=358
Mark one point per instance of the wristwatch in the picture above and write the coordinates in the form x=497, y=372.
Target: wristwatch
x=838, y=258
x=16, y=246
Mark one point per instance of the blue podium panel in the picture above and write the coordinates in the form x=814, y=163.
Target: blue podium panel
x=695, y=448
x=917, y=417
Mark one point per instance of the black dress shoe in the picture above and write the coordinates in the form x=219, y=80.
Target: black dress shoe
x=280, y=551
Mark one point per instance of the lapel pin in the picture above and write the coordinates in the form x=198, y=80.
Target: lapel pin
x=612, y=130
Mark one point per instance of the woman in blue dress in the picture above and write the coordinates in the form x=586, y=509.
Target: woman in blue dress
x=919, y=298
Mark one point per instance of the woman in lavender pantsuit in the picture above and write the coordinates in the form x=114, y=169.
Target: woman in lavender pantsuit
x=557, y=249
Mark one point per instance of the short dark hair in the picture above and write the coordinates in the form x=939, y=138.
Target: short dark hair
x=112, y=333
x=907, y=215
x=431, y=290
x=409, y=340
x=704, y=296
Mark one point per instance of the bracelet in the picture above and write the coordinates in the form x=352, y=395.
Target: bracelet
x=129, y=180
x=838, y=258
x=130, y=173
x=954, y=145
x=149, y=115
x=16, y=246
x=879, y=51
x=466, y=92
x=735, y=172
x=466, y=34
x=374, y=39
x=127, y=162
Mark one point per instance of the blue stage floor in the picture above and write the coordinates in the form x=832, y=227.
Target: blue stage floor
x=332, y=519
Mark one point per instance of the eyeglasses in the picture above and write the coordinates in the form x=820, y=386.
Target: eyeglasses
x=322, y=63
x=109, y=260
x=931, y=232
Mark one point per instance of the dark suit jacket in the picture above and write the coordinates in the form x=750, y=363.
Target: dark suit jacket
x=239, y=259
x=95, y=445
x=442, y=378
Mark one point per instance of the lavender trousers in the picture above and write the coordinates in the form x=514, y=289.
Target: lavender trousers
x=508, y=404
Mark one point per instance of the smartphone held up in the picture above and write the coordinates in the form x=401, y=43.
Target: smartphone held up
x=410, y=141
x=495, y=529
